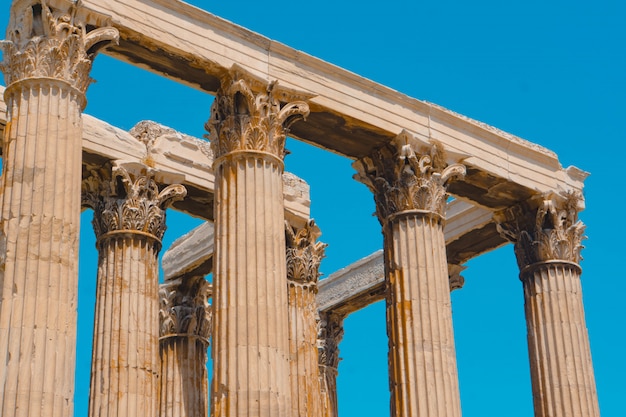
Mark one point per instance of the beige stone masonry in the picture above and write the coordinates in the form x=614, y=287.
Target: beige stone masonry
x=409, y=185
x=129, y=222
x=185, y=328
x=47, y=59
x=329, y=337
x=547, y=237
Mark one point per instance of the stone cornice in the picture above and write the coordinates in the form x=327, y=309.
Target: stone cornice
x=127, y=202
x=304, y=254
x=248, y=115
x=47, y=43
x=544, y=229
x=184, y=308
x=405, y=177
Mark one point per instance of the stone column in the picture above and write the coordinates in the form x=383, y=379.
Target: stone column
x=47, y=58
x=304, y=255
x=248, y=127
x=547, y=237
x=129, y=222
x=184, y=339
x=409, y=185
x=330, y=333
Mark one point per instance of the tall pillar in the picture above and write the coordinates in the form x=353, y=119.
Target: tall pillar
x=248, y=127
x=184, y=339
x=409, y=186
x=330, y=333
x=47, y=59
x=304, y=255
x=129, y=222
x=547, y=237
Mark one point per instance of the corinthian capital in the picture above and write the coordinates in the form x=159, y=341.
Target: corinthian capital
x=304, y=254
x=44, y=42
x=124, y=201
x=545, y=229
x=406, y=177
x=185, y=309
x=330, y=333
x=249, y=116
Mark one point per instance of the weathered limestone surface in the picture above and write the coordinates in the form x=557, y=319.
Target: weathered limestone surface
x=329, y=337
x=129, y=223
x=250, y=334
x=185, y=328
x=547, y=237
x=47, y=59
x=304, y=254
x=409, y=186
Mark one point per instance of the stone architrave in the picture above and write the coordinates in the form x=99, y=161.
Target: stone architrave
x=185, y=329
x=304, y=255
x=548, y=238
x=330, y=333
x=47, y=58
x=248, y=128
x=409, y=184
x=129, y=223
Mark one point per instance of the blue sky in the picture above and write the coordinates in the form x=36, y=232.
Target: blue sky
x=551, y=72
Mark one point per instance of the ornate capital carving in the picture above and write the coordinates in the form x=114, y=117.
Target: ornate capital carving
x=406, y=177
x=249, y=116
x=455, y=278
x=185, y=309
x=546, y=229
x=330, y=333
x=47, y=43
x=127, y=202
x=304, y=254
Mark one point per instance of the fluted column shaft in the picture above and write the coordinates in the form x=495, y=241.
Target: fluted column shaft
x=330, y=335
x=303, y=260
x=46, y=67
x=250, y=331
x=129, y=222
x=547, y=239
x=409, y=186
x=184, y=339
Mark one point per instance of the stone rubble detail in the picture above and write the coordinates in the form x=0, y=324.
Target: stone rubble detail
x=409, y=186
x=129, y=222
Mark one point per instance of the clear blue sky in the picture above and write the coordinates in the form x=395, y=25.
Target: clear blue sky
x=552, y=72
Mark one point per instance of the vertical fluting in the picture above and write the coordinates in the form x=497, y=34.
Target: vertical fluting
x=409, y=183
x=303, y=260
x=125, y=359
x=548, y=239
x=250, y=334
x=39, y=227
x=185, y=327
x=129, y=222
x=47, y=59
x=330, y=335
x=422, y=357
x=560, y=360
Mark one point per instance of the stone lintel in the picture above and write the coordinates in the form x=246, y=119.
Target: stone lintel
x=195, y=47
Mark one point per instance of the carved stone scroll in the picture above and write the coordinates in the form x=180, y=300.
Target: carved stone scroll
x=330, y=333
x=548, y=239
x=129, y=221
x=409, y=184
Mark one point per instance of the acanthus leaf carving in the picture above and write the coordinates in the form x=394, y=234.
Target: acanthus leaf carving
x=185, y=309
x=247, y=117
x=544, y=230
x=304, y=254
x=404, y=177
x=47, y=43
x=330, y=334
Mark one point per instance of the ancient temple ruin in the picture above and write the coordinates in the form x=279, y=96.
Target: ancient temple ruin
x=271, y=328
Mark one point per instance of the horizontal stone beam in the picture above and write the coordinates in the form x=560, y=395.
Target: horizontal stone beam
x=190, y=255
x=172, y=151
x=350, y=115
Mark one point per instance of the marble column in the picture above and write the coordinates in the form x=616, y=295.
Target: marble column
x=547, y=237
x=409, y=185
x=304, y=255
x=47, y=58
x=248, y=128
x=330, y=333
x=129, y=222
x=185, y=320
